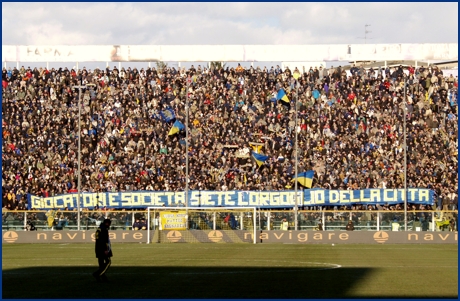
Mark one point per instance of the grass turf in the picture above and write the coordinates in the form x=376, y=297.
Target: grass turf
x=232, y=271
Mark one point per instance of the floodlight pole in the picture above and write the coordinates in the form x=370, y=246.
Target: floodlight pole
x=79, y=151
x=186, y=150
x=296, y=157
x=79, y=156
x=405, y=158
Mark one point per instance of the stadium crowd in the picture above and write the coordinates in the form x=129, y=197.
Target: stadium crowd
x=350, y=129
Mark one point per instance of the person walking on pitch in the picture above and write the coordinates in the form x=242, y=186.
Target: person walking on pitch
x=103, y=250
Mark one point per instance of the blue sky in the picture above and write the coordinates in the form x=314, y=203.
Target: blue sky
x=227, y=23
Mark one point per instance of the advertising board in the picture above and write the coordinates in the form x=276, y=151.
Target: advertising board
x=239, y=236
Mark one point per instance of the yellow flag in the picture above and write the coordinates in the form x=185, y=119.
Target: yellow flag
x=296, y=75
x=257, y=147
x=50, y=217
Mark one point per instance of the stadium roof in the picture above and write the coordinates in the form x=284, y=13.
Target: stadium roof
x=228, y=53
x=392, y=63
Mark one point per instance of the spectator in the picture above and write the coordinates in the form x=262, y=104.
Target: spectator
x=233, y=222
x=350, y=226
x=142, y=224
x=319, y=226
x=137, y=225
x=350, y=134
x=284, y=225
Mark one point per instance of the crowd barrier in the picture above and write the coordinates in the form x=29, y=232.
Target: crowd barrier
x=268, y=220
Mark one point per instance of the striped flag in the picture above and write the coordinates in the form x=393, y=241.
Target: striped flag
x=282, y=96
x=176, y=128
x=305, y=178
x=259, y=158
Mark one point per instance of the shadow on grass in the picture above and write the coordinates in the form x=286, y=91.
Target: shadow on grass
x=183, y=282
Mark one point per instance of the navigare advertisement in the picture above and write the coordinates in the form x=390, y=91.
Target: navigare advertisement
x=238, y=236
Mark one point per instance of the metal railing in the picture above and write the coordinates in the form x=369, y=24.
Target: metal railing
x=440, y=220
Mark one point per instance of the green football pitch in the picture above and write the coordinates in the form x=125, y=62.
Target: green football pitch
x=232, y=271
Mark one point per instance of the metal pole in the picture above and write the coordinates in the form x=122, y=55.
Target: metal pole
x=260, y=227
x=378, y=220
x=254, y=223
x=269, y=221
x=186, y=149
x=405, y=159
x=79, y=158
x=79, y=151
x=148, y=225
x=296, y=157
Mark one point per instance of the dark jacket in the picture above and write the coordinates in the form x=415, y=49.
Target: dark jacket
x=350, y=227
x=103, y=242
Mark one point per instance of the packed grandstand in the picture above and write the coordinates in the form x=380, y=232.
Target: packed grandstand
x=350, y=130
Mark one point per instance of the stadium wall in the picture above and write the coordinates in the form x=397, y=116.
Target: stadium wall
x=238, y=236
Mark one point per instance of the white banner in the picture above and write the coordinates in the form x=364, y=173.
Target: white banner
x=302, y=66
x=229, y=53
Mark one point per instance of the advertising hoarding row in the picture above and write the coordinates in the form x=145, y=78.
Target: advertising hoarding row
x=238, y=236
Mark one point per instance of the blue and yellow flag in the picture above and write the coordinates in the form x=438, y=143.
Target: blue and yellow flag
x=305, y=178
x=168, y=115
x=176, y=128
x=50, y=217
x=259, y=158
x=257, y=147
x=282, y=96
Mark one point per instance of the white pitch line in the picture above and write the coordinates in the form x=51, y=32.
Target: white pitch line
x=54, y=258
x=401, y=266
x=244, y=271
x=37, y=265
x=306, y=264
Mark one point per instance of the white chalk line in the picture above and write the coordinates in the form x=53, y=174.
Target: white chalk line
x=401, y=266
x=299, y=265
x=244, y=270
x=176, y=260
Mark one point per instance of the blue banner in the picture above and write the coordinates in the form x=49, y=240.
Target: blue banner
x=261, y=199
